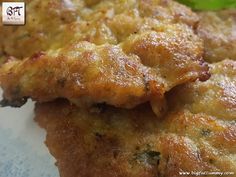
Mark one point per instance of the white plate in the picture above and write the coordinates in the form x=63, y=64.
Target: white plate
x=22, y=149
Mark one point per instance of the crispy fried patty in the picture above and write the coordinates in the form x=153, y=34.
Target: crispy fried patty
x=50, y=24
x=123, y=53
x=106, y=141
x=218, y=30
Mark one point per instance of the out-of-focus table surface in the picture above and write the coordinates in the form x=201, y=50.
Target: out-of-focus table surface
x=22, y=149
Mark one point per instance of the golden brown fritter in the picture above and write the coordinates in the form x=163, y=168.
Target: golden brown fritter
x=50, y=24
x=104, y=142
x=218, y=30
x=47, y=26
x=109, y=141
x=215, y=97
x=210, y=141
x=150, y=64
x=120, y=52
x=126, y=143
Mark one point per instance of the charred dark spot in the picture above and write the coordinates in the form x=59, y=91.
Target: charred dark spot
x=98, y=136
x=61, y=82
x=205, y=75
x=13, y=103
x=37, y=55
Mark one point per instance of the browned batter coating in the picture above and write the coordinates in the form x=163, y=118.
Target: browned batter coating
x=50, y=24
x=151, y=64
x=218, y=30
x=47, y=26
x=104, y=141
x=112, y=58
x=215, y=97
x=107, y=55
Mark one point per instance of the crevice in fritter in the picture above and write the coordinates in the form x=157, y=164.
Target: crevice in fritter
x=98, y=108
x=148, y=157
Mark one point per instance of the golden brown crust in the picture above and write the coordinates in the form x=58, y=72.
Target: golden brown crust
x=47, y=26
x=217, y=29
x=125, y=53
x=215, y=97
x=108, y=141
x=142, y=68
x=79, y=72
x=118, y=52
x=134, y=143
x=98, y=141
x=212, y=138
x=51, y=23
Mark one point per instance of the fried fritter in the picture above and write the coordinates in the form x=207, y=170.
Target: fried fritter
x=126, y=143
x=150, y=64
x=104, y=141
x=218, y=30
x=50, y=24
x=119, y=52
x=215, y=97
x=47, y=26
